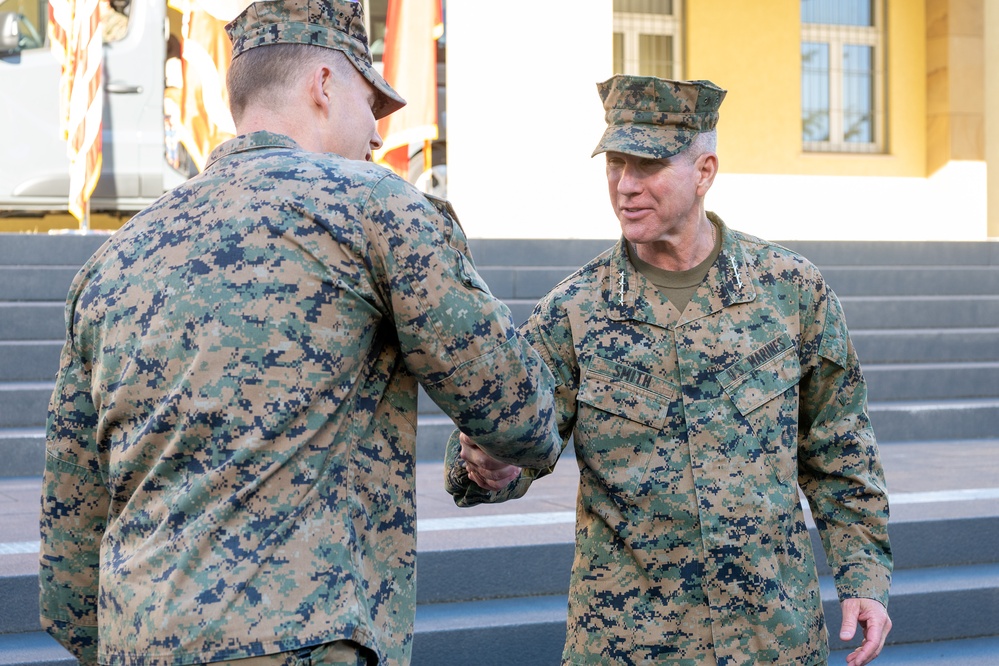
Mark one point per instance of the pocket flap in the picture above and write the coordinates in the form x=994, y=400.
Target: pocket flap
x=626, y=392
x=763, y=375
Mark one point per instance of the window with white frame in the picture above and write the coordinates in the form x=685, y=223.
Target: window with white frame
x=842, y=76
x=647, y=38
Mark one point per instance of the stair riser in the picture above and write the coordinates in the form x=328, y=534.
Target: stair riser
x=29, y=362
x=921, y=425
x=22, y=456
x=40, y=249
x=931, y=346
x=32, y=322
x=19, y=604
x=915, y=618
x=936, y=383
x=35, y=283
x=534, y=643
x=544, y=569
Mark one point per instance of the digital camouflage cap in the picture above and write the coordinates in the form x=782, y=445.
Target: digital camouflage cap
x=653, y=117
x=332, y=24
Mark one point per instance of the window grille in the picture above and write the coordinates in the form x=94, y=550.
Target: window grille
x=647, y=38
x=842, y=76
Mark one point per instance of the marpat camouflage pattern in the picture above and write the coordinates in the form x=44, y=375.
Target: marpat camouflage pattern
x=655, y=118
x=691, y=438
x=230, y=444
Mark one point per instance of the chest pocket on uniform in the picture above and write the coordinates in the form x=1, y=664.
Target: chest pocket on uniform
x=763, y=386
x=622, y=411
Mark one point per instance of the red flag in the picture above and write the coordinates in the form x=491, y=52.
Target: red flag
x=410, y=66
x=75, y=34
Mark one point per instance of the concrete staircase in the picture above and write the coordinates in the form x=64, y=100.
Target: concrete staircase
x=492, y=581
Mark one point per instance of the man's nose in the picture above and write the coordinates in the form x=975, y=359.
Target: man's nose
x=629, y=182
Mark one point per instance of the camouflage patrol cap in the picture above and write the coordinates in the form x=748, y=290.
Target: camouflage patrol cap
x=332, y=24
x=657, y=118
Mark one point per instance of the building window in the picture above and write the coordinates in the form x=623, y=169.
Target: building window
x=647, y=38
x=842, y=76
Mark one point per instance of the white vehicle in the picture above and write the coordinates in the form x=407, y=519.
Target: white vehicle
x=34, y=169
x=142, y=157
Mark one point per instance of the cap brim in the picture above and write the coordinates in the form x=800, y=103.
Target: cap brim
x=389, y=101
x=650, y=141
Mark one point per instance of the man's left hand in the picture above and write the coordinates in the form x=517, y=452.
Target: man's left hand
x=874, y=623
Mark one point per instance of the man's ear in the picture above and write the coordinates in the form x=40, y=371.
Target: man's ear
x=707, y=168
x=320, y=84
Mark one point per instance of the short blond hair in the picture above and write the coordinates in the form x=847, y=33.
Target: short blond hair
x=261, y=75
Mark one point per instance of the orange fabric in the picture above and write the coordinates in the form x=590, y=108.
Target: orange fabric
x=204, y=106
x=410, y=66
x=75, y=36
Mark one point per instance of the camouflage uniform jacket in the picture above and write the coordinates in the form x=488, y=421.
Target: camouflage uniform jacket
x=231, y=440
x=691, y=544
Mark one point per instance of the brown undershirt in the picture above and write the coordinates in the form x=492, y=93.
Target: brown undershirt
x=677, y=286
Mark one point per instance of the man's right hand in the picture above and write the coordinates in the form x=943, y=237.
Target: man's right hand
x=485, y=471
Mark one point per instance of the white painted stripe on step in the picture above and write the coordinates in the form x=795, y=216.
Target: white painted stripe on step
x=502, y=520
x=19, y=548
x=965, y=495
x=558, y=517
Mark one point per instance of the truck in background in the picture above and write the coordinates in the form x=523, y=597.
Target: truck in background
x=143, y=154
x=34, y=171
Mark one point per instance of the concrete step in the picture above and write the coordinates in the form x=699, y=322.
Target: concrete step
x=19, y=608
x=494, y=632
x=52, y=250
x=932, y=381
x=35, y=283
x=945, y=534
x=29, y=360
x=915, y=421
x=485, y=632
x=32, y=320
x=969, y=593
x=826, y=254
x=33, y=649
x=956, y=280
x=22, y=451
x=887, y=312
x=982, y=651
x=24, y=404
x=927, y=345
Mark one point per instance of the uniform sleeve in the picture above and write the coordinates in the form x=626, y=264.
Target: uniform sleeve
x=557, y=353
x=74, y=513
x=839, y=465
x=456, y=337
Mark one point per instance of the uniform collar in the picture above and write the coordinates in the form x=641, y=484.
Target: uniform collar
x=629, y=295
x=251, y=141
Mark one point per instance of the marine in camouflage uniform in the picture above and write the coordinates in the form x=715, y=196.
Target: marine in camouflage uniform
x=230, y=443
x=693, y=428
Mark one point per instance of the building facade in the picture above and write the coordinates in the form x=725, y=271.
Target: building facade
x=844, y=119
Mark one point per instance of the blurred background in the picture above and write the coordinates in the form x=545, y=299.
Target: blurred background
x=844, y=120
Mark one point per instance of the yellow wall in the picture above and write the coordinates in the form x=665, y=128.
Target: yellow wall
x=753, y=50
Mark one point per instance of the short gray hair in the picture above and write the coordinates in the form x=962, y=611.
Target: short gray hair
x=704, y=142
